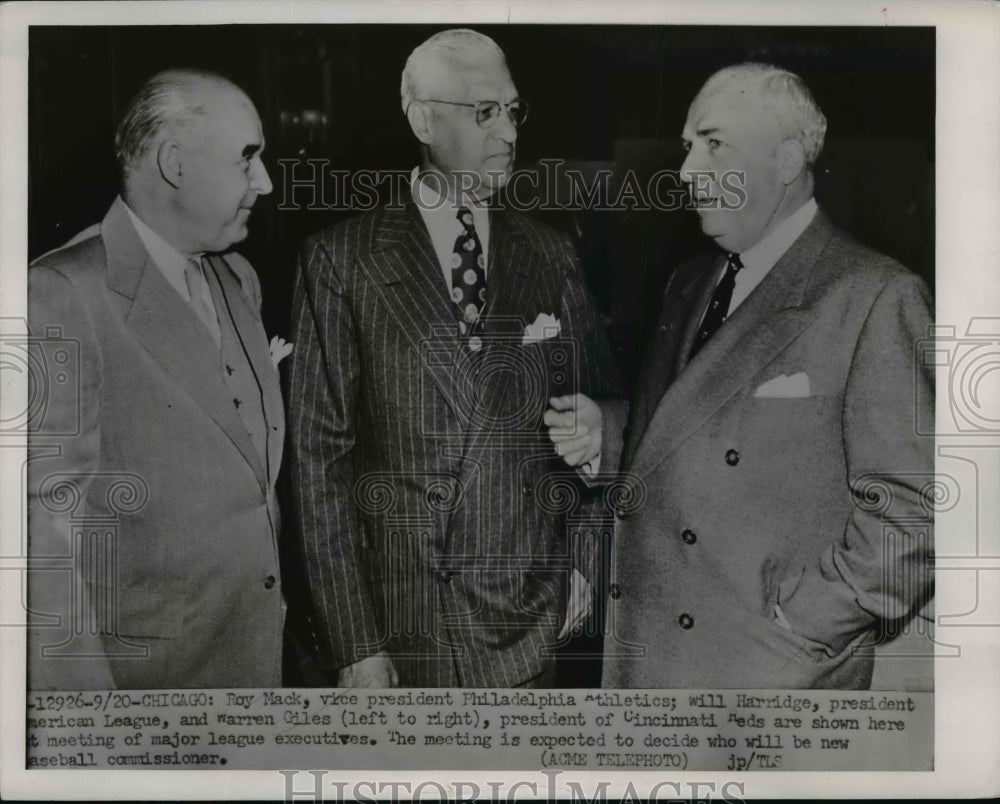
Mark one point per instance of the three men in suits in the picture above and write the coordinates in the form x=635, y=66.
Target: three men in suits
x=428, y=339
x=785, y=518
x=153, y=523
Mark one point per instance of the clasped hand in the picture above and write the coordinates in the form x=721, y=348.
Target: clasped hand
x=574, y=423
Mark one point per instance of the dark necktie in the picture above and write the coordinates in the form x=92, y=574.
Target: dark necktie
x=468, y=277
x=718, y=307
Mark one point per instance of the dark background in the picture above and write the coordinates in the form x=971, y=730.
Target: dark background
x=601, y=96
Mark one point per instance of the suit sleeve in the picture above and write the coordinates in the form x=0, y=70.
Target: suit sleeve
x=596, y=376
x=64, y=444
x=879, y=566
x=323, y=415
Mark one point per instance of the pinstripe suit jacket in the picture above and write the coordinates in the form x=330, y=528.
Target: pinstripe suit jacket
x=430, y=502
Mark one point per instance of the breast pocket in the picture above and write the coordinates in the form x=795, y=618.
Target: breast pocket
x=781, y=427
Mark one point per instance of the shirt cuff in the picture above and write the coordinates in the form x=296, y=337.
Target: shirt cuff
x=592, y=467
x=780, y=618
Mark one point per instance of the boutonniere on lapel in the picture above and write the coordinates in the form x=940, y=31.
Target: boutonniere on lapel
x=544, y=326
x=280, y=349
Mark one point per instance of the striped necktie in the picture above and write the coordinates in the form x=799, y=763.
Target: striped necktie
x=718, y=307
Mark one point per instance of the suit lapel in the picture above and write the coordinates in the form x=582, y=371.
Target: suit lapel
x=254, y=343
x=520, y=278
x=161, y=321
x=406, y=274
x=685, y=294
x=760, y=328
x=699, y=295
x=511, y=272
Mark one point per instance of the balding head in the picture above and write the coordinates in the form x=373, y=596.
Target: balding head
x=782, y=95
x=752, y=133
x=170, y=104
x=189, y=146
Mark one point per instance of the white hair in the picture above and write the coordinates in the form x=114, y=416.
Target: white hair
x=785, y=95
x=454, y=43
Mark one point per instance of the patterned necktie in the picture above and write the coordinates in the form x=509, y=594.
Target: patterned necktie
x=468, y=279
x=195, y=278
x=718, y=307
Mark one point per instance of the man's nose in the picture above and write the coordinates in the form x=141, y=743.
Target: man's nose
x=504, y=128
x=689, y=165
x=260, y=181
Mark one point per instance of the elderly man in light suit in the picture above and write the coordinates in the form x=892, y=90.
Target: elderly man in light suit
x=429, y=337
x=785, y=519
x=153, y=523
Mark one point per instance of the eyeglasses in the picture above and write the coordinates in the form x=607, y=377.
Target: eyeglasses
x=488, y=112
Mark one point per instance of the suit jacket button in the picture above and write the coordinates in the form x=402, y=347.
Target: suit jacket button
x=688, y=536
x=615, y=591
x=686, y=621
x=732, y=457
x=527, y=490
x=269, y=582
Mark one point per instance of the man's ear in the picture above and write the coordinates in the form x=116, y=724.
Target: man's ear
x=419, y=119
x=791, y=160
x=168, y=160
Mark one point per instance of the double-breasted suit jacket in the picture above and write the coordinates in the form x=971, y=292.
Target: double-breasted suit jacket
x=780, y=468
x=139, y=452
x=430, y=501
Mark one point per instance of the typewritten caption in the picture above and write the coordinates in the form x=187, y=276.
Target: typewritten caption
x=670, y=730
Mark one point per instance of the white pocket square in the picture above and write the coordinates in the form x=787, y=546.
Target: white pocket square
x=545, y=326
x=785, y=386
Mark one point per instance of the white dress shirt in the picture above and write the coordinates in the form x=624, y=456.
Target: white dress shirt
x=761, y=258
x=440, y=215
x=169, y=260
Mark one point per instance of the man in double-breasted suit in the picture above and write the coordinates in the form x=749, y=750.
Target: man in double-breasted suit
x=785, y=517
x=430, y=336
x=153, y=524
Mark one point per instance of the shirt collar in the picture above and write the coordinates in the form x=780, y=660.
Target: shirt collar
x=438, y=212
x=169, y=260
x=764, y=256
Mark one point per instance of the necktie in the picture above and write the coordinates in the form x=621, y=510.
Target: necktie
x=195, y=278
x=468, y=279
x=718, y=307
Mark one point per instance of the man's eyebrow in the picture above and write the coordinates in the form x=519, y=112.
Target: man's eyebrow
x=707, y=131
x=250, y=150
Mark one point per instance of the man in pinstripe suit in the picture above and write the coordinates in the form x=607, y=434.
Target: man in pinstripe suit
x=429, y=339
